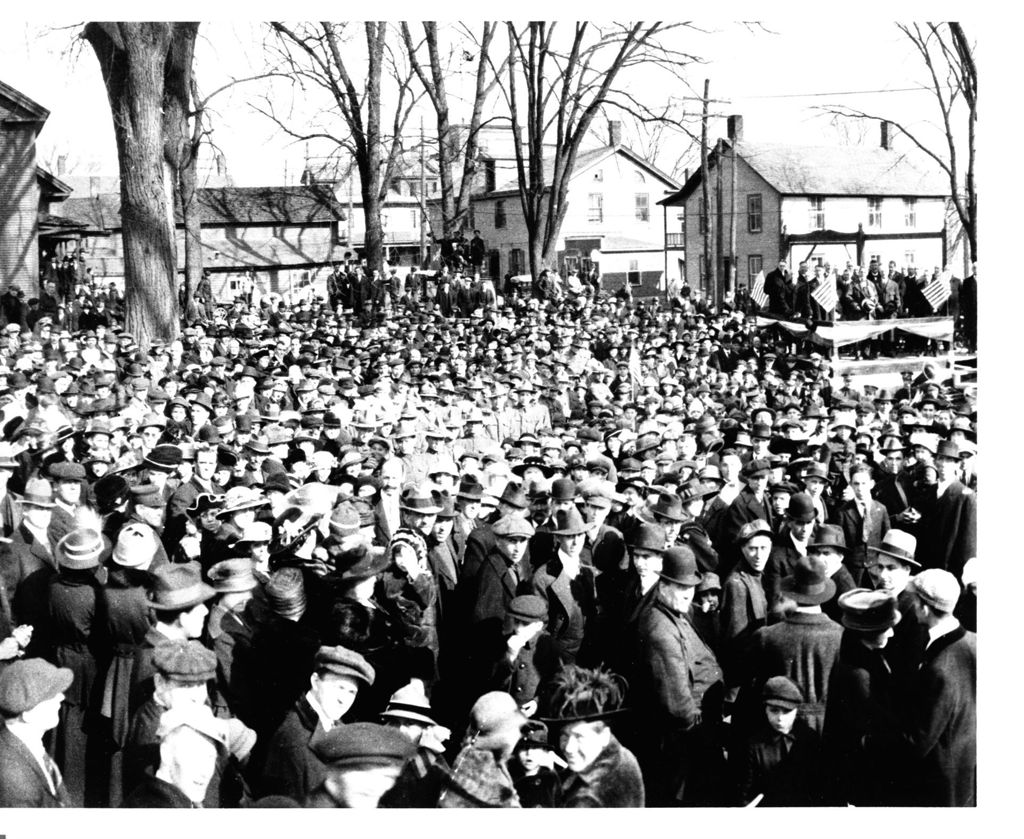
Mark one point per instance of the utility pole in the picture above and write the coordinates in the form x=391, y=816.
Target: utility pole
x=730, y=278
x=719, y=224
x=709, y=265
x=423, y=198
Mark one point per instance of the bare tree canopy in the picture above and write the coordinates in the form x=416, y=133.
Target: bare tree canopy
x=322, y=56
x=554, y=89
x=948, y=57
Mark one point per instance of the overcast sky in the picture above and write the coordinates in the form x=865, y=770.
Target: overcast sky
x=770, y=77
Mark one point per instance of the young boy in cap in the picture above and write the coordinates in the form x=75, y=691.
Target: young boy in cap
x=780, y=764
x=537, y=782
x=529, y=656
x=31, y=693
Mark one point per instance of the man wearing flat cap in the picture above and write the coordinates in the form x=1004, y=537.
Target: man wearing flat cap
x=31, y=693
x=361, y=763
x=291, y=766
x=750, y=505
x=943, y=699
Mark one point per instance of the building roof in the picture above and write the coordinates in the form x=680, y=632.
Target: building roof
x=586, y=159
x=20, y=106
x=53, y=186
x=831, y=170
x=228, y=207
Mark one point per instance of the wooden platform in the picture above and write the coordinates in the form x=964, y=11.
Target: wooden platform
x=964, y=368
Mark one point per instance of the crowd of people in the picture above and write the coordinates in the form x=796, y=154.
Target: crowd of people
x=575, y=553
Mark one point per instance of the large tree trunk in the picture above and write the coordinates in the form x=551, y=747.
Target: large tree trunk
x=132, y=57
x=182, y=135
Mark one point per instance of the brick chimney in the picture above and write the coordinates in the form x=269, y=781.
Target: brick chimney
x=887, y=134
x=614, y=133
x=734, y=126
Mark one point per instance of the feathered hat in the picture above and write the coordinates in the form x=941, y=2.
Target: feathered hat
x=581, y=695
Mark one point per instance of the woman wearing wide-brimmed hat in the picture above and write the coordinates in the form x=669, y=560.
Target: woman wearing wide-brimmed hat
x=602, y=772
x=72, y=599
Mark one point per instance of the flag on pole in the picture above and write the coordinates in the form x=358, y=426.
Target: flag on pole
x=635, y=371
x=757, y=291
x=937, y=291
x=825, y=294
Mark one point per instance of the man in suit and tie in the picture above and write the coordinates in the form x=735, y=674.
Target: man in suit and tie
x=31, y=693
x=947, y=534
x=864, y=522
x=387, y=516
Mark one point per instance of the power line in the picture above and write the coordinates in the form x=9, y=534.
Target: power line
x=837, y=93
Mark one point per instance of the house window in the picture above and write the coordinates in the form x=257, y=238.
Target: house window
x=499, y=214
x=754, y=221
x=703, y=210
x=816, y=220
x=910, y=212
x=595, y=207
x=703, y=267
x=874, y=212
x=515, y=261
x=754, y=265
x=633, y=275
x=643, y=209
x=908, y=259
x=472, y=216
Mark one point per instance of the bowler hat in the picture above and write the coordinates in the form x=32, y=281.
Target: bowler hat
x=494, y=720
x=648, y=536
x=679, y=566
x=808, y=585
x=899, y=544
x=801, y=508
x=868, y=611
x=563, y=489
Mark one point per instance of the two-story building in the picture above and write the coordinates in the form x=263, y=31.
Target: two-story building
x=610, y=221
x=290, y=236
x=819, y=204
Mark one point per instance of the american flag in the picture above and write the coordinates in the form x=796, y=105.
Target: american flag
x=757, y=291
x=825, y=294
x=936, y=292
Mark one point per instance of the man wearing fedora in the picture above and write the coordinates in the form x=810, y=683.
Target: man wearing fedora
x=567, y=587
x=31, y=693
x=942, y=701
x=679, y=692
x=803, y=646
x=177, y=597
x=827, y=547
x=893, y=565
x=789, y=546
x=862, y=733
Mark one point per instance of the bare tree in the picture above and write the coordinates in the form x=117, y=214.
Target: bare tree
x=455, y=151
x=948, y=56
x=314, y=55
x=564, y=88
x=133, y=59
